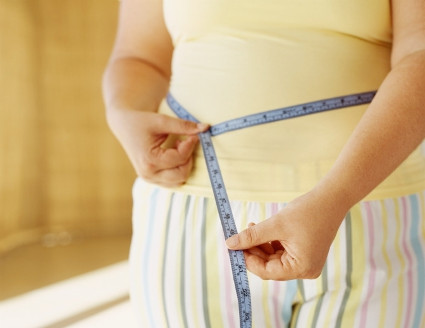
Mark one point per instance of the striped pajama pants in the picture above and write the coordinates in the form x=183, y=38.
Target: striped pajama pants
x=374, y=275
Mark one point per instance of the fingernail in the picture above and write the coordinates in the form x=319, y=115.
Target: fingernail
x=232, y=241
x=202, y=126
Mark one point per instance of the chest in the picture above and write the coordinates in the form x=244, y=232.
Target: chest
x=368, y=19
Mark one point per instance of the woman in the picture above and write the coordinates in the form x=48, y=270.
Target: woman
x=340, y=196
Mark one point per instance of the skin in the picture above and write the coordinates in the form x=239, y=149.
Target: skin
x=135, y=81
x=295, y=242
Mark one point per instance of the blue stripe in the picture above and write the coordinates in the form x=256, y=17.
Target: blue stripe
x=291, y=291
x=415, y=232
x=324, y=278
x=204, y=257
x=348, y=275
x=146, y=256
x=164, y=258
x=183, y=265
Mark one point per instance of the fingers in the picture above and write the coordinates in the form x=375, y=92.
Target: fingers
x=270, y=268
x=255, y=235
x=264, y=268
x=172, y=177
x=176, y=156
x=280, y=265
x=266, y=260
x=259, y=252
x=267, y=248
x=277, y=245
x=143, y=136
x=292, y=244
x=171, y=125
x=169, y=166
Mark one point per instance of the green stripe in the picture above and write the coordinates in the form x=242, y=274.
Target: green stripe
x=164, y=257
x=300, y=285
x=204, y=266
x=324, y=290
x=183, y=266
x=348, y=232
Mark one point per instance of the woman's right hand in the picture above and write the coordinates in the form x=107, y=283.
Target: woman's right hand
x=143, y=134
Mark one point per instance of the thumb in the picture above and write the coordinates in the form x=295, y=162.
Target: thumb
x=180, y=127
x=254, y=235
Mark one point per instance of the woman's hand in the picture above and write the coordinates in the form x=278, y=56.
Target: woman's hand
x=294, y=243
x=143, y=134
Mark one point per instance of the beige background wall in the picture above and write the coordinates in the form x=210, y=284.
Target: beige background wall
x=60, y=167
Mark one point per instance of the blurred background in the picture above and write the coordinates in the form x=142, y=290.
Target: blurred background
x=65, y=183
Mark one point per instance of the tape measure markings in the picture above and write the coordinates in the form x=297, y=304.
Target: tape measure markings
x=237, y=259
x=285, y=113
x=180, y=111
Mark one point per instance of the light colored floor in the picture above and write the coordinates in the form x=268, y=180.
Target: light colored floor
x=37, y=265
x=95, y=299
x=81, y=285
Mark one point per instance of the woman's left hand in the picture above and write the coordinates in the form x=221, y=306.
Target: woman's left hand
x=294, y=243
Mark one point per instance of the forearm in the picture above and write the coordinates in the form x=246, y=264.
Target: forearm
x=131, y=83
x=133, y=90
x=391, y=128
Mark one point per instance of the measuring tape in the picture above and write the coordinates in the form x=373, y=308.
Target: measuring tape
x=237, y=259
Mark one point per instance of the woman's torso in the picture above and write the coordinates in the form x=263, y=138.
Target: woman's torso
x=234, y=58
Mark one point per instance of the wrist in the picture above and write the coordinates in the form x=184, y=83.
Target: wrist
x=336, y=194
x=322, y=208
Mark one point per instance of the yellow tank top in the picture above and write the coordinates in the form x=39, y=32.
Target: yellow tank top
x=234, y=58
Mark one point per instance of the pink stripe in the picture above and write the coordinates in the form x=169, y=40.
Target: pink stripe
x=274, y=208
x=371, y=283
x=276, y=308
x=229, y=289
x=276, y=284
x=409, y=265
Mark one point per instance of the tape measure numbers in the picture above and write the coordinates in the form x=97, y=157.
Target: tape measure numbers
x=237, y=259
x=292, y=112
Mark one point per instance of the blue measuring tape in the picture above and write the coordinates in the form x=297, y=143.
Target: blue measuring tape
x=237, y=259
